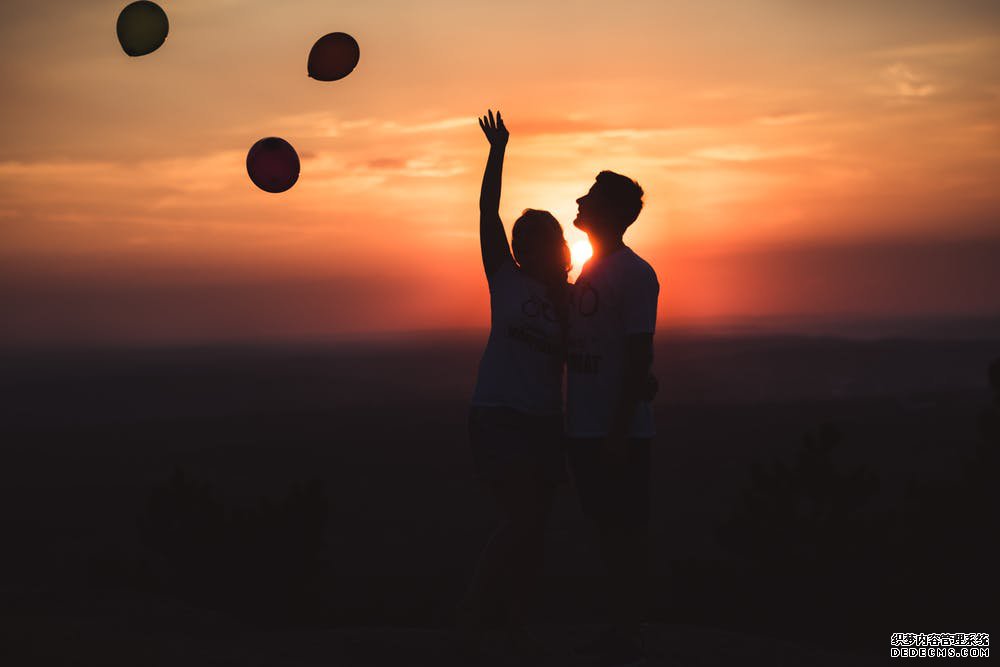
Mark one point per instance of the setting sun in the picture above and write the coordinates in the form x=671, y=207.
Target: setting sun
x=580, y=253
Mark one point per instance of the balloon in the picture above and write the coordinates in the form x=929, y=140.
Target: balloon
x=333, y=57
x=142, y=28
x=273, y=165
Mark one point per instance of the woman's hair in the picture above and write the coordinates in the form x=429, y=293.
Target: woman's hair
x=539, y=234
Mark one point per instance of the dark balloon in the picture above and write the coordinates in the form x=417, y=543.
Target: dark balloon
x=142, y=28
x=333, y=57
x=273, y=165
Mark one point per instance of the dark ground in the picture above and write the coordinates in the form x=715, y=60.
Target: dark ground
x=133, y=486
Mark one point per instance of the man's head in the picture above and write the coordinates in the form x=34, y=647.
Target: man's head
x=610, y=206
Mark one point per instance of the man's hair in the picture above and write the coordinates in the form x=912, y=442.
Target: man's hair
x=622, y=194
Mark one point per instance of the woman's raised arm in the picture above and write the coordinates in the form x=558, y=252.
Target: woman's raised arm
x=492, y=237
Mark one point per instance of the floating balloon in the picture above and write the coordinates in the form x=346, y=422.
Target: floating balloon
x=333, y=57
x=142, y=28
x=273, y=164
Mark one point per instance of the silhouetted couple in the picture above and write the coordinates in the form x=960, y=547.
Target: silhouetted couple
x=600, y=330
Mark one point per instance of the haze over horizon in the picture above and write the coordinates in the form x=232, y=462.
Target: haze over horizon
x=800, y=163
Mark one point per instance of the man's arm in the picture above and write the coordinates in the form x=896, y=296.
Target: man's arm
x=639, y=318
x=492, y=237
x=638, y=361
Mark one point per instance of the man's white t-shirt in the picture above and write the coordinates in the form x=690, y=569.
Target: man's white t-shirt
x=522, y=365
x=615, y=296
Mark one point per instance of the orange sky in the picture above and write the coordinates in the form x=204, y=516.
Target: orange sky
x=797, y=161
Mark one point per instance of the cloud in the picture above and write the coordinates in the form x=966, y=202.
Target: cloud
x=901, y=80
x=390, y=163
x=971, y=47
x=752, y=153
x=324, y=124
x=780, y=119
x=416, y=167
x=441, y=125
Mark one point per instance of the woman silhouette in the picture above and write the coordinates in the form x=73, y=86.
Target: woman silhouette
x=516, y=422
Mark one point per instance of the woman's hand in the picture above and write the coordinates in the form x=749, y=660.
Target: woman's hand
x=494, y=129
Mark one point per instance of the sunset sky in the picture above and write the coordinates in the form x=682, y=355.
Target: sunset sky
x=800, y=160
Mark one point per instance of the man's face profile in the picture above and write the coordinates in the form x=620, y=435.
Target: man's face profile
x=586, y=210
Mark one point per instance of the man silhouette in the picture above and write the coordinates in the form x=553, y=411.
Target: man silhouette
x=610, y=426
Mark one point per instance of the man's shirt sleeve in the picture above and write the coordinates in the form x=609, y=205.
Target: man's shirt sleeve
x=639, y=302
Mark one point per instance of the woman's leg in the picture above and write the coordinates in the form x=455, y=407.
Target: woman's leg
x=529, y=503
x=488, y=579
x=511, y=562
x=509, y=451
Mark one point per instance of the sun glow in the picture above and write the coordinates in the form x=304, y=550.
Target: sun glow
x=580, y=252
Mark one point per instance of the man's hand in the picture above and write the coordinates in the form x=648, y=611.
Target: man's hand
x=494, y=129
x=649, y=389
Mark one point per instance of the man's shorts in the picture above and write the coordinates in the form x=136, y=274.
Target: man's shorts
x=612, y=494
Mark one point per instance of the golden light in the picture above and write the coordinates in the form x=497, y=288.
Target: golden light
x=580, y=252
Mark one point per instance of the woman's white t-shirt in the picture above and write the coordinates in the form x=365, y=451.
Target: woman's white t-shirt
x=523, y=363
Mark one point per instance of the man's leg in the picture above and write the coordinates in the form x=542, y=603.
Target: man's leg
x=615, y=497
x=623, y=531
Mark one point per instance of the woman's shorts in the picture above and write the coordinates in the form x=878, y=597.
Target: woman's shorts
x=509, y=445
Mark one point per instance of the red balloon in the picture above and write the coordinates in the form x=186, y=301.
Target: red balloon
x=333, y=57
x=273, y=165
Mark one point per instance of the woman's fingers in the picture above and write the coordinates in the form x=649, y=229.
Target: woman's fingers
x=490, y=123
